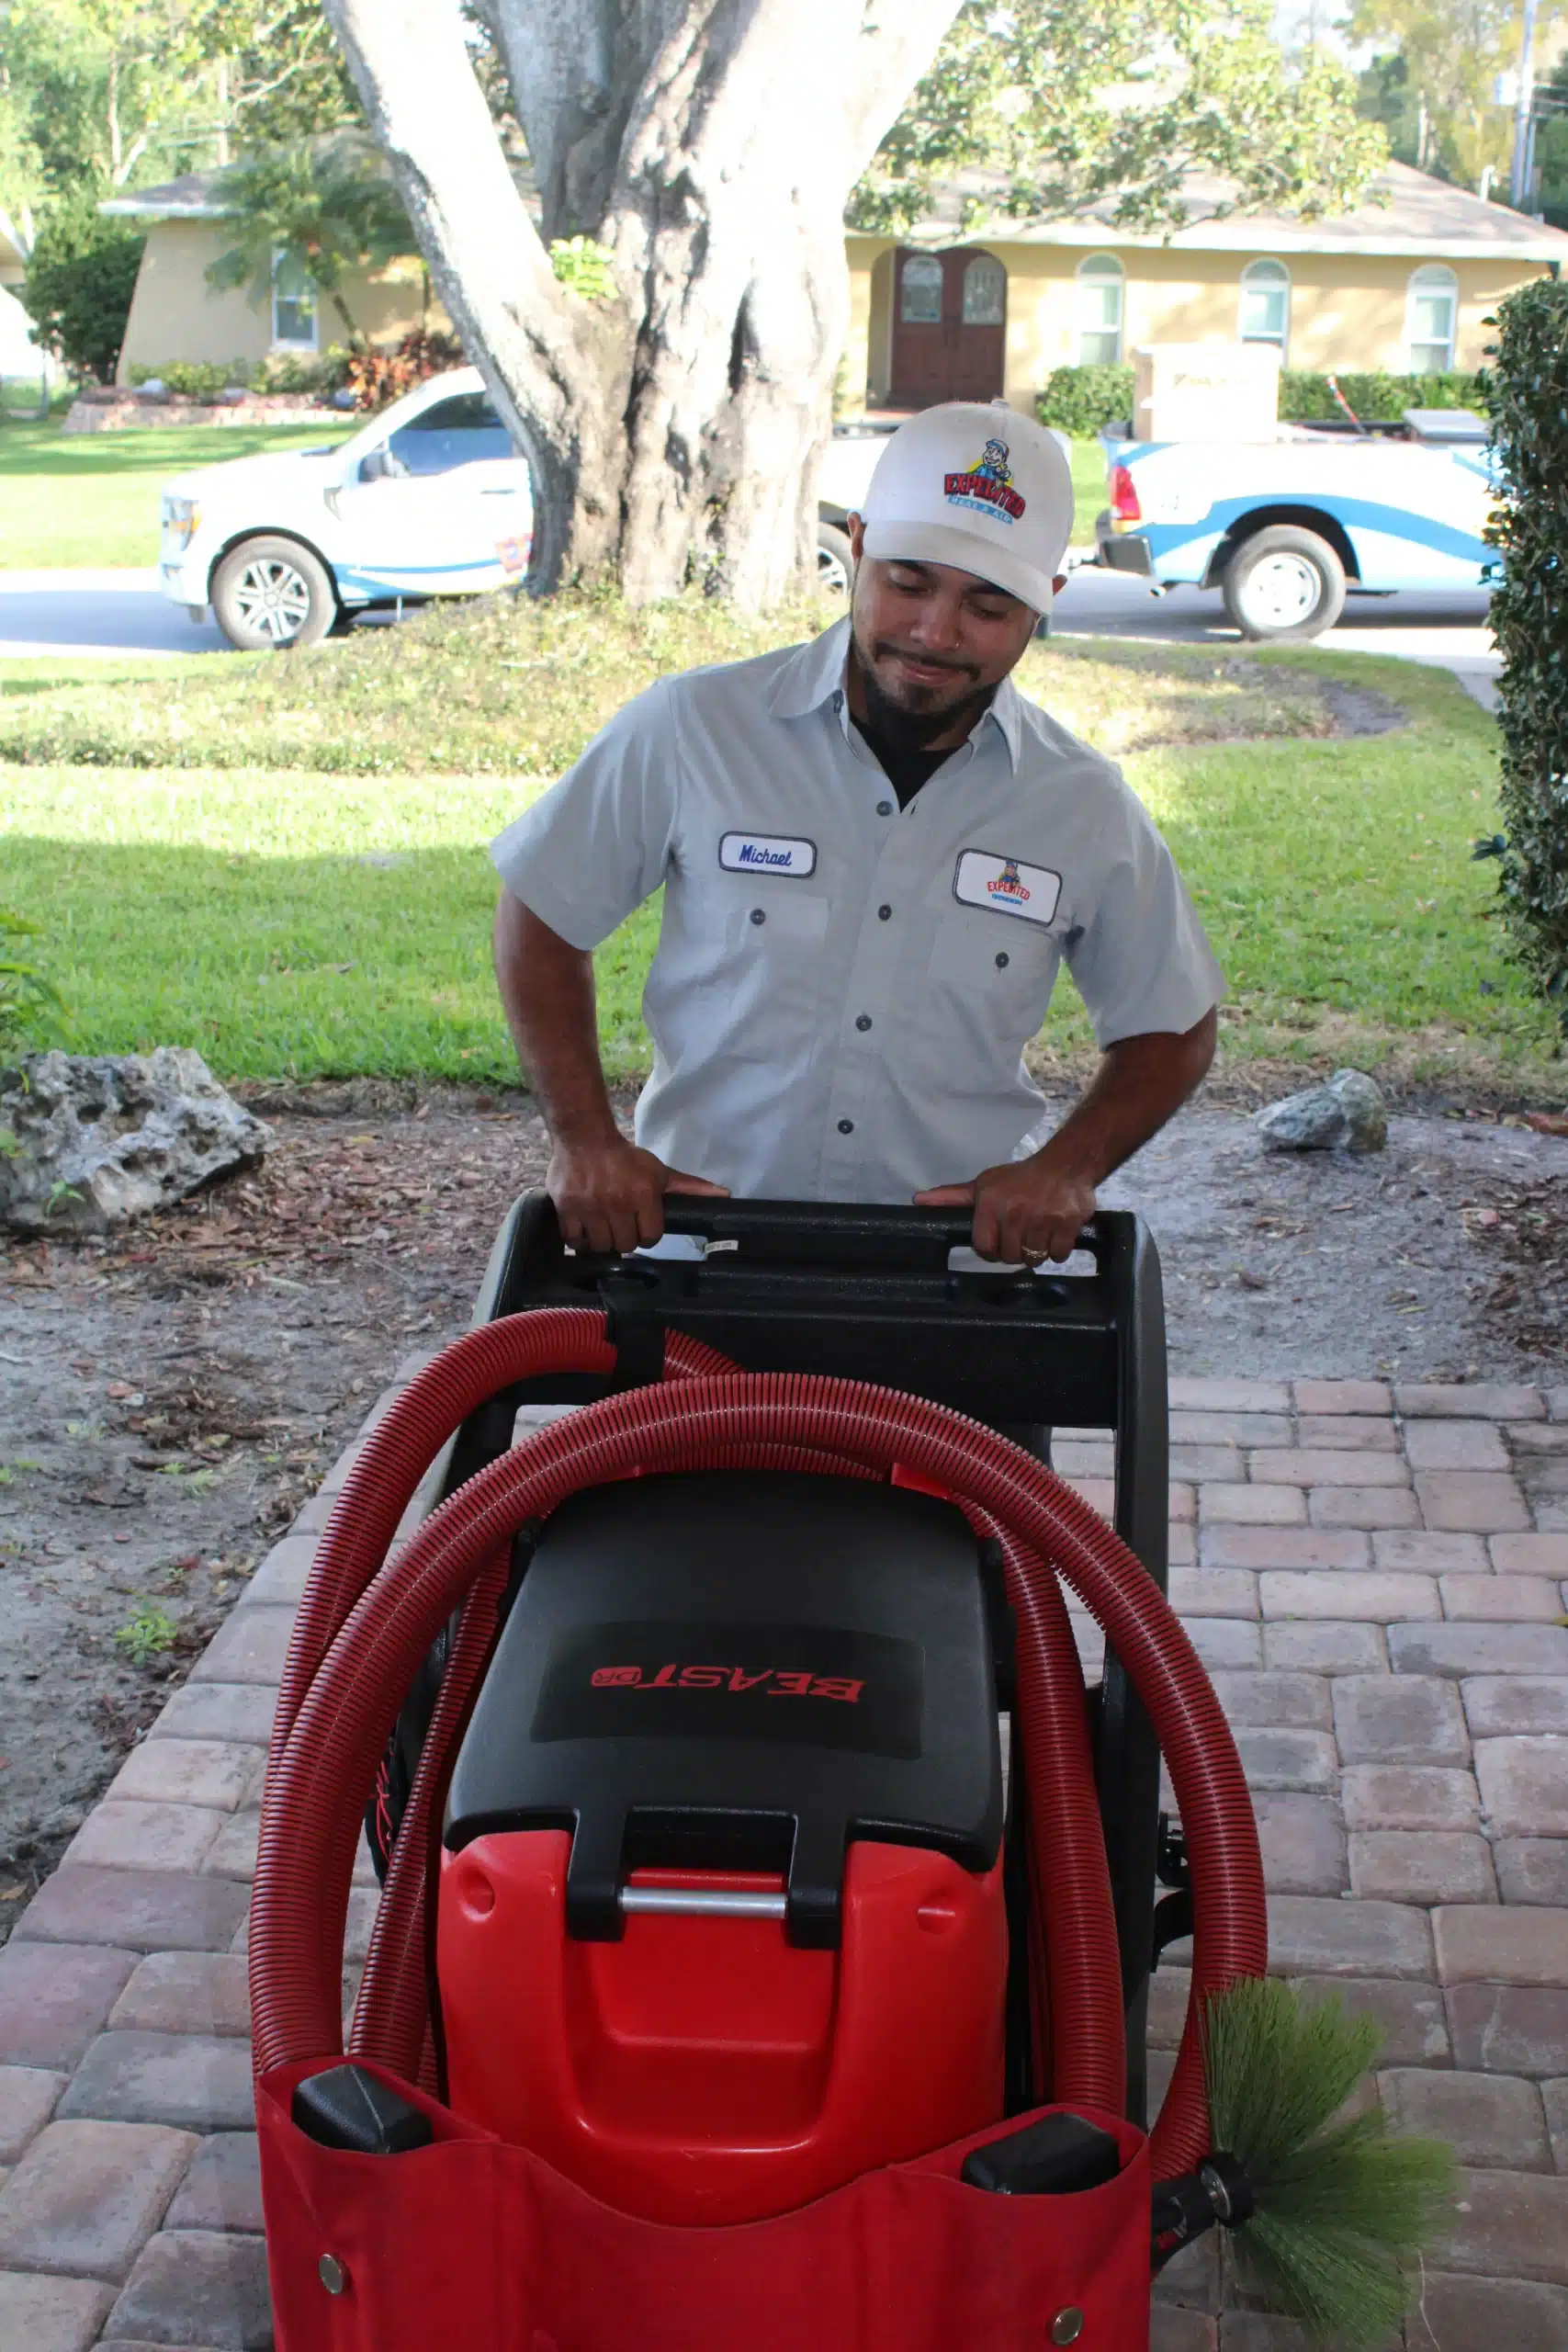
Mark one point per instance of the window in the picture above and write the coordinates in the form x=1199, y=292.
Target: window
x=1265, y=304
x=293, y=304
x=1431, y=317
x=920, y=292
x=1100, y=283
x=452, y=433
x=985, y=292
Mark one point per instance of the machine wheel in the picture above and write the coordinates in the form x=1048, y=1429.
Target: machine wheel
x=273, y=592
x=834, y=562
x=1284, y=581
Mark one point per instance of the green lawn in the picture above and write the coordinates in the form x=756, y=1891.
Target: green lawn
x=92, y=498
x=205, y=879
x=1088, y=489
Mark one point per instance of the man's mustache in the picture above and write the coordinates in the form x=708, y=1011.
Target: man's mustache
x=927, y=661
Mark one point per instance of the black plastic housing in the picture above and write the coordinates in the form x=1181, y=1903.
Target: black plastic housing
x=750, y=1664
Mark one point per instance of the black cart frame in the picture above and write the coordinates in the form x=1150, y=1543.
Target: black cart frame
x=870, y=1294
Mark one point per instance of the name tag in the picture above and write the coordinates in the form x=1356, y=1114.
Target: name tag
x=1005, y=884
x=766, y=854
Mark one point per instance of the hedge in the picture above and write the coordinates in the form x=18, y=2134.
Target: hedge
x=1377, y=399
x=1084, y=400
x=1527, y=395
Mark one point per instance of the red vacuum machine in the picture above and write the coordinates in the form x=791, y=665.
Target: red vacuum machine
x=769, y=1899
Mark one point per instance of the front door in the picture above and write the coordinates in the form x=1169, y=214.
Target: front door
x=948, y=327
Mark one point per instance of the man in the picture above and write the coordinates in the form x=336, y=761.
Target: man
x=875, y=854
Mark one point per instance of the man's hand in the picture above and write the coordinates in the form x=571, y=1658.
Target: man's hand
x=610, y=1195
x=1027, y=1210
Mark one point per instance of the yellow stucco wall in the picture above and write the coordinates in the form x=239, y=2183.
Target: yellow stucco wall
x=1346, y=311
x=175, y=314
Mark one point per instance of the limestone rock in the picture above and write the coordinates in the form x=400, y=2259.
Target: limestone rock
x=1348, y=1114
x=88, y=1140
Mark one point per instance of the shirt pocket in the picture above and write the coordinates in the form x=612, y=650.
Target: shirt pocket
x=987, y=986
x=774, y=971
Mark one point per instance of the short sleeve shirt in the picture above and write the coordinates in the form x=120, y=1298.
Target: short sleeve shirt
x=842, y=990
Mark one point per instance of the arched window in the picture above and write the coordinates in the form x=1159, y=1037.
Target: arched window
x=985, y=292
x=1102, y=281
x=1431, y=319
x=919, y=290
x=1265, y=304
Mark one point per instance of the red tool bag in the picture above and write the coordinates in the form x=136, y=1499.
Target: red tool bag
x=477, y=2245
x=480, y=2242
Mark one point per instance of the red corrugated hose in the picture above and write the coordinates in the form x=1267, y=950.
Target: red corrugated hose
x=368, y=1619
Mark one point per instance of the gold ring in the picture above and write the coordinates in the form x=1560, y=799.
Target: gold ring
x=1035, y=1257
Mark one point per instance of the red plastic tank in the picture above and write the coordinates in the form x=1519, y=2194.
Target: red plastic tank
x=702, y=2069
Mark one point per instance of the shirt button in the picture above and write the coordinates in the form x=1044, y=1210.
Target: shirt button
x=863, y=1021
x=757, y=916
x=885, y=808
x=1002, y=961
x=846, y=1127
x=883, y=913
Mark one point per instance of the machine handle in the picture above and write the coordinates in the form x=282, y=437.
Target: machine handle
x=847, y=1232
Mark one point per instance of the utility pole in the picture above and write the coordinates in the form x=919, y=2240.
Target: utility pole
x=1519, y=181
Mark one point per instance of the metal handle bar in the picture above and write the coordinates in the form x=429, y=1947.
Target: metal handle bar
x=691, y=1901
x=838, y=1232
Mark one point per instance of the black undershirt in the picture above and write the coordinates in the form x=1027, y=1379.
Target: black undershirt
x=906, y=770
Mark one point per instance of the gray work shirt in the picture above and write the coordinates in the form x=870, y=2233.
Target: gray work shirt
x=842, y=990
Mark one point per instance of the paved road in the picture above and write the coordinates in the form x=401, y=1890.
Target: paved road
x=107, y=613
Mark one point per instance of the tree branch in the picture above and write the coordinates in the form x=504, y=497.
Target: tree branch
x=548, y=356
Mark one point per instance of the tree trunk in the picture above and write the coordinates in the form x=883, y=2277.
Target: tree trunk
x=710, y=145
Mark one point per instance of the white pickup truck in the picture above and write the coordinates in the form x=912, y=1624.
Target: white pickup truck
x=1286, y=528
x=428, y=499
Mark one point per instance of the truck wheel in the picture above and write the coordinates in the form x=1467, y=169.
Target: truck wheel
x=273, y=592
x=1284, y=581
x=834, y=562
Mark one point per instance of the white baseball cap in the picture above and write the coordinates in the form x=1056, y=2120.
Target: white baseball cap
x=973, y=484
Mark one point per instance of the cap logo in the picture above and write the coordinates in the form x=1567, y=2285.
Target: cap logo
x=987, y=486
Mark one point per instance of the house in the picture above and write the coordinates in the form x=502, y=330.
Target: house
x=1405, y=282
x=175, y=314
x=22, y=364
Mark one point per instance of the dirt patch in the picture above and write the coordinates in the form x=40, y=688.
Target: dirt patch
x=1128, y=698
x=171, y=1397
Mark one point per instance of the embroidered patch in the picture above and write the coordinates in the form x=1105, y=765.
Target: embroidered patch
x=1006, y=885
x=766, y=854
x=987, y=486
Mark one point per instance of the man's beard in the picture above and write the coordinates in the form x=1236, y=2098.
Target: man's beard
x=912, y=725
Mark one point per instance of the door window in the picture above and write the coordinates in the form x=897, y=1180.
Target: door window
x=452, y=433
x=1100, y=283
x=985, y=292
x=1431, y=317
x=920, y=292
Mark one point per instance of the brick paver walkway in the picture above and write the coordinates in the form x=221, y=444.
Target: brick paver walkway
x=1375, y=1579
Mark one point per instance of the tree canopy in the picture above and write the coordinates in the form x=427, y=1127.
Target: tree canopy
x=1057, y=103
x=1432, y=81
x=326, y=206
x=113, y=94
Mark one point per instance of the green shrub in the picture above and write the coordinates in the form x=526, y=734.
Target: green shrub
x=1377, y=398
x=1084, y=400
x=189, y=380
x=81, y=277
x=1527, y=396
x=29, y=1005
x=304, y=371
